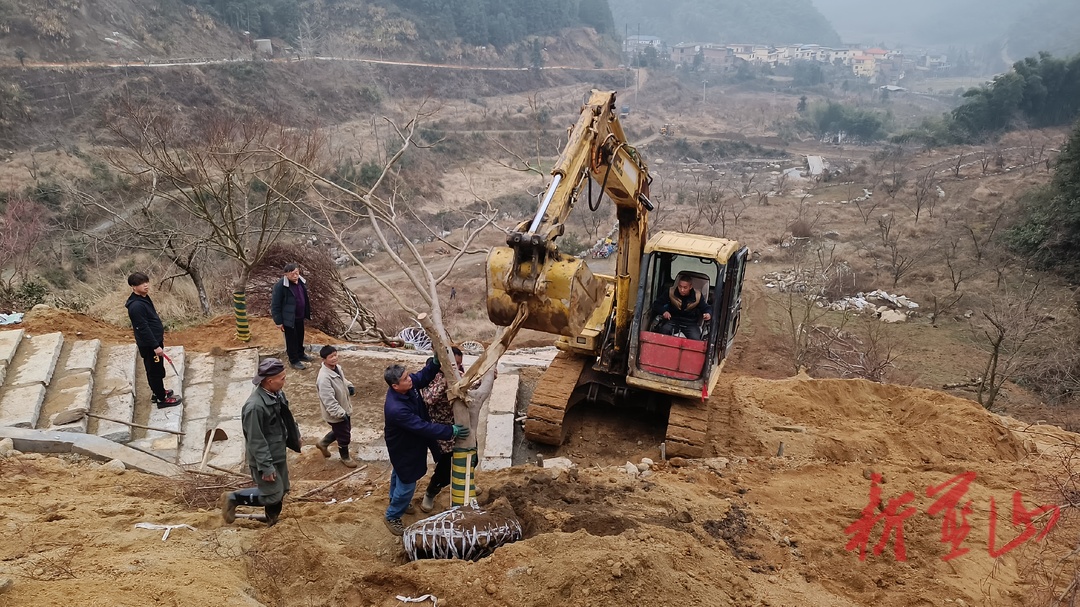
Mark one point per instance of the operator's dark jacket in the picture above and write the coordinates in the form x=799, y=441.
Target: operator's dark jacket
x=149, y=332
x=283, y=304
x=409, y=432
x=686, y=310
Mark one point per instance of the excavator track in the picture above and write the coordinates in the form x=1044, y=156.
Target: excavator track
x=688, y=427
x=551, y=399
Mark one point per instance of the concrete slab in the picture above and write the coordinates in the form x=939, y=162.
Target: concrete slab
x=495, y=463
x=70, y=392
x=228, y=453
x=191, y=445
x=40, y=362
x=118, y=406
x=200, y=369
x=47, y=441
x=21, y=406
x=83, y=355
x=175, y=381
x=244, y=364
x=116, y=385
x=236, y=394
x=504, y=394
x=198, y=401
x=499, y=434
x=9, y=342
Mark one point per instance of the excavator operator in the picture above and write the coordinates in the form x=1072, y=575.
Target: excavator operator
x=681, y=309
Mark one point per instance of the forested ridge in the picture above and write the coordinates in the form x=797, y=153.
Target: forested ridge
x=479, y=22
x=1038, y=92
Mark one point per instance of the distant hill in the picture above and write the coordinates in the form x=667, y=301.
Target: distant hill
x=747, y=21
x=1029, y=26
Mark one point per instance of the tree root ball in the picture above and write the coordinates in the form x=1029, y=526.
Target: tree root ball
x=463, y=532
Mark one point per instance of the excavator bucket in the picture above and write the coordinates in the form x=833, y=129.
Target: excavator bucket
x=568, y=293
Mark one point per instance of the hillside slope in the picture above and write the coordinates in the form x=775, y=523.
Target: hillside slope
x=745, y=528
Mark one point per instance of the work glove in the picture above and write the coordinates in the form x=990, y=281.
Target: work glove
x=434, y=360
x=460, y=431
x=352, y=391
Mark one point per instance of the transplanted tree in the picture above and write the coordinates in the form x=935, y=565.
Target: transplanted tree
x=340, y=207
x=217, y=178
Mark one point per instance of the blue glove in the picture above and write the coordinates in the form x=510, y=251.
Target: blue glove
x=434, y=360
x=460, y=431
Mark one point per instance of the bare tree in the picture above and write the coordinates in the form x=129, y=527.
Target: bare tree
x=24, y=224
x=957, y=262
x=957, y=165
x=340, y=209
x=869, y=353
x=216, y=178
x=1015, y=330
x=925, y=194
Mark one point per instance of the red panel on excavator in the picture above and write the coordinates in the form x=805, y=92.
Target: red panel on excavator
x=670, y=356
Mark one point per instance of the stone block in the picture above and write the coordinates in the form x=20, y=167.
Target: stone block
x=499, y=435
x=9, y=342
x=200, y=369
x=244, y=363
x=83, y=355
x=504, y=394
x=38, y=366
x=73, y=392
x=21, y=405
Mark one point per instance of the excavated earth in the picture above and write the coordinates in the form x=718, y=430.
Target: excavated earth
x=761, y=521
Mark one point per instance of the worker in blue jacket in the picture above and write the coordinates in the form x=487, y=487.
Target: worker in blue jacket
x=410, y=434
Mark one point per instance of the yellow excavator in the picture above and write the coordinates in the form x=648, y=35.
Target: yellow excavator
x=610, y=351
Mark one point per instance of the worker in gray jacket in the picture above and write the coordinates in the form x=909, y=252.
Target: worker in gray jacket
x=269, y=429
x=334, y=392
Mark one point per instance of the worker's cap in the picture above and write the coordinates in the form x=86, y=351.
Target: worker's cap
x=269, y=367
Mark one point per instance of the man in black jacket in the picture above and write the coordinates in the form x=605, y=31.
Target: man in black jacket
x=290, y=307
x=681, y=309
x=150, y=338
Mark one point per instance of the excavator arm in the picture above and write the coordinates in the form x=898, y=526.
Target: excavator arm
x=557, y=293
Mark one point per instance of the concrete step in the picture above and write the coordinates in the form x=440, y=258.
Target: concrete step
x=73, y=386
x=9, y=342
x=40, y=360
x=217, y=388
x=31, y=370
x=83, y=355
x=115, y=391
x=166, y=445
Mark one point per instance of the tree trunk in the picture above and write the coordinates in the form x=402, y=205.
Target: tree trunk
x=200, y=287
x=243, y=332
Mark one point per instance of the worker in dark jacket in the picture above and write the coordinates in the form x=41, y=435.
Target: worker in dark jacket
x=681, y=309
x=409, y=436
x=290, y=307
x=269, y=429
x=149, y=338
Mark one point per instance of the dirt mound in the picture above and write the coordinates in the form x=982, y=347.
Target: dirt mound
x=743, y=528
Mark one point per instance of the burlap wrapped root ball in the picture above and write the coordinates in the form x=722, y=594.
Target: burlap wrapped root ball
x=463, y=532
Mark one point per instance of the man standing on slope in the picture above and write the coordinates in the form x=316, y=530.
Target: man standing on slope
x=269, y=429
x=334, y=392
x=409, y=435
x=149, y=338
x=290, y=307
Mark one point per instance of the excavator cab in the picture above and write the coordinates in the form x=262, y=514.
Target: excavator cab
x=681, y=364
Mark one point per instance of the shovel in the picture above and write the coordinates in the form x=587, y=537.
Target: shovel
x=212, y=436
x=73, y=415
